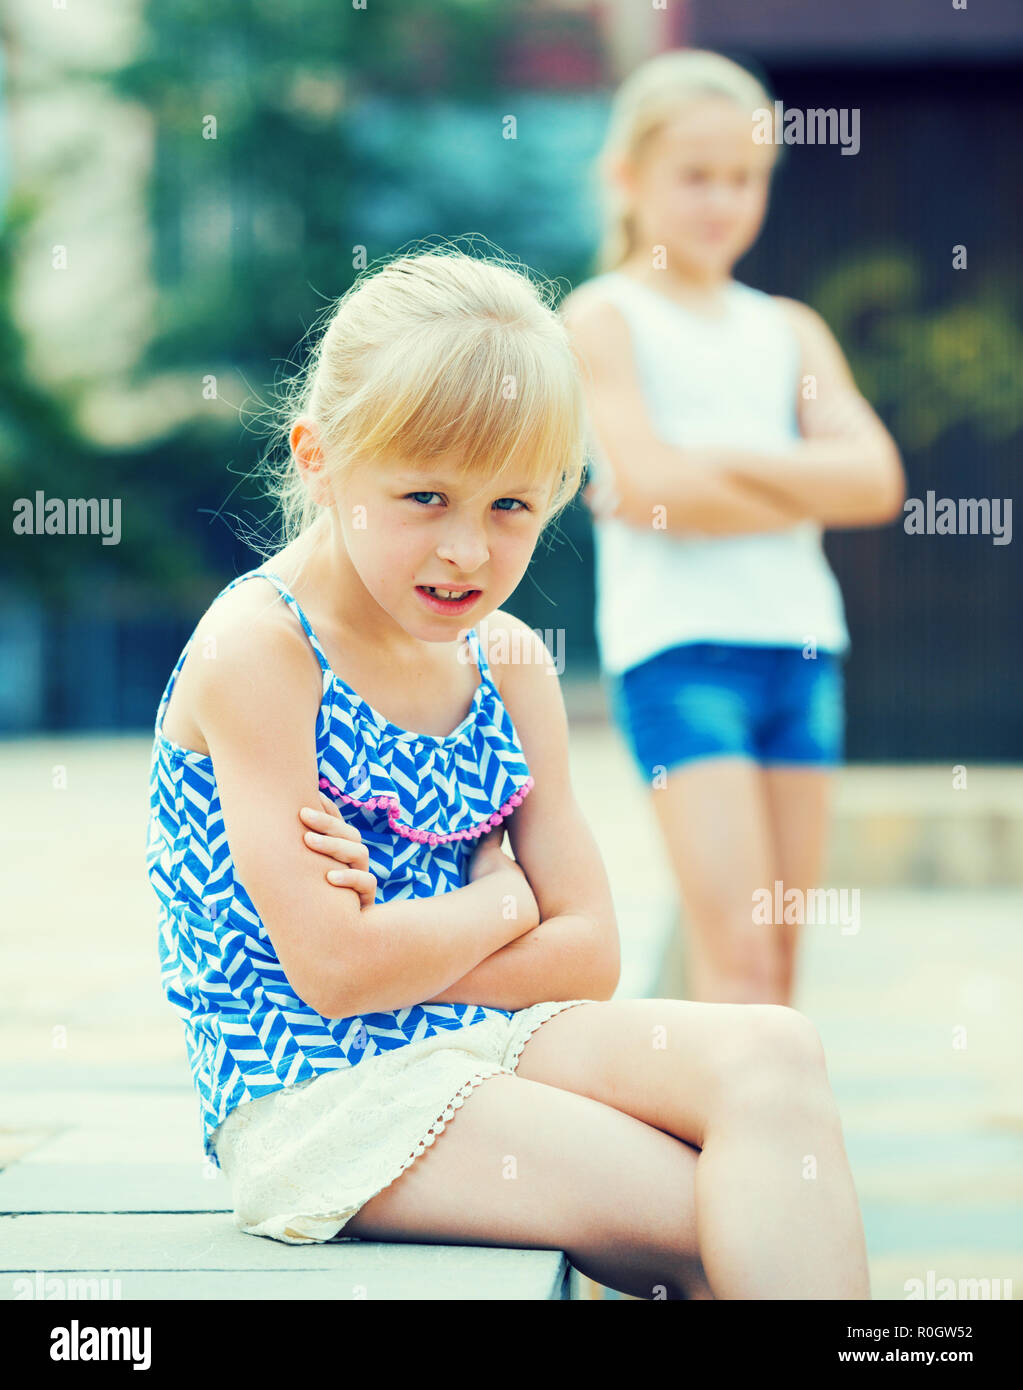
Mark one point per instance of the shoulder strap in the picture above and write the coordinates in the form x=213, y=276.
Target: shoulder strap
x=293, y=604
x=479, y=655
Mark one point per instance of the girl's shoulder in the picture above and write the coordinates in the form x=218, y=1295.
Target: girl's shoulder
x=521, y=661
x=597, y=313
x=798, y=314
x=809, y=328
x=508, y=643
x=246, y=630
x=251, y=619
x=597, y=289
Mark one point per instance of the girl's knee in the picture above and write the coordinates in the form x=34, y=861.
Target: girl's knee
x=775, y=1055
x=788, y=1037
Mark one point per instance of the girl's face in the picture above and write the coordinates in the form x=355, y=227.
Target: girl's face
x=412, y=527
x=700, y=188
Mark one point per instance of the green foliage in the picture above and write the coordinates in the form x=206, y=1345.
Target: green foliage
x=927, y=369
x=39, y=445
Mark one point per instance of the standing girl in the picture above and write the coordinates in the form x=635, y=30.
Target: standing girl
x=726, y=429
x=354, y=957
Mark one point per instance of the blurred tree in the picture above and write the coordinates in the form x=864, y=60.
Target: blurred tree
x=254, y=229
x=928, y=368
x=42, y=450
x=39, y=444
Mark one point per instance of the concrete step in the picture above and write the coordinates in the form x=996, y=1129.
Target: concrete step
x=181, y=1255
x=123, y=1193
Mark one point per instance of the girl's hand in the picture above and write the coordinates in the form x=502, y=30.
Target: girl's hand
x=602, y=497
x=601, y=493
x=488, y=857
x=330, y=834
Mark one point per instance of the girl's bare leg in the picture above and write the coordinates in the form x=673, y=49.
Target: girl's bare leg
x=524, y=1164
x=586, y=1149
x=776, y=1209
x=714, y=822
x=799, y=809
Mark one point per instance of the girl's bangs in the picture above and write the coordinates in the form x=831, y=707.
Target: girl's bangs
x=525, y=424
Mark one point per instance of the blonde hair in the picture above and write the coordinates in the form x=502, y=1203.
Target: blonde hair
x=436, y=351
x=647, y=99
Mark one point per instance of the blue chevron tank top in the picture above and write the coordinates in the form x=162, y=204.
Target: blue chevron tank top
x=420, y=802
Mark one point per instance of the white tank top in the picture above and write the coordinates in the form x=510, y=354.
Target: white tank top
x=731, y=382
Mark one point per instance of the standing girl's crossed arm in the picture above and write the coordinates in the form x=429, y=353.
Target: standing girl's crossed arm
x=846, y=470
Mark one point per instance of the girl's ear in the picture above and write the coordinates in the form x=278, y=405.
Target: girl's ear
x=309, y=459
x=621, y=174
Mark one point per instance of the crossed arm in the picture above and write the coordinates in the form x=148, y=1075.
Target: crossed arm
x=845, y=471
x=571, y=948
x=574, y=950
x=343, y=953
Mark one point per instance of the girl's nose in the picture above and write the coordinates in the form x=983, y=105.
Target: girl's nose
x=727, y=198
x=466, y=548
x=719, y=196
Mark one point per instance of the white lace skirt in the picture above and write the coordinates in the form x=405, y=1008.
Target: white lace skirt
x=302, y=1161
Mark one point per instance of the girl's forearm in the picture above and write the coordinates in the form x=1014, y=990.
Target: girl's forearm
x=840, y=482
x=413, y=945
x=565, y=957
x=680, y=495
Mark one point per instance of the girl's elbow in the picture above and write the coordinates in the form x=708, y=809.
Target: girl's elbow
x=602, y=970
x=611, y=981
x=891, y=488
x=611, y=974
x=631, y=503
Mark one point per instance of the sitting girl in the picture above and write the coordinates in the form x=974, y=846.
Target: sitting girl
x=349, y=947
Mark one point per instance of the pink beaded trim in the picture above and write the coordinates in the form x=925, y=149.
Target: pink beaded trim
x=430, y=837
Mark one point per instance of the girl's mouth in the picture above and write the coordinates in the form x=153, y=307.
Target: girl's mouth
x=436, y=598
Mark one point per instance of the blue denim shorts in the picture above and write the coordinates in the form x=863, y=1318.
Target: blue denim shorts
x=713, y=700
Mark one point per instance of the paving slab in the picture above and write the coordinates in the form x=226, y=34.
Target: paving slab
x=127, y=1111
x=68, y=1075
x=113, y=1187
x=167, y=1140
x=645, y=930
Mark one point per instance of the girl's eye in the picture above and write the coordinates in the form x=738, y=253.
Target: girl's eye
x=418, y=496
